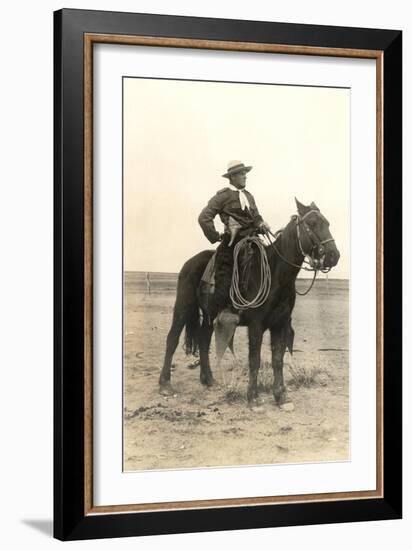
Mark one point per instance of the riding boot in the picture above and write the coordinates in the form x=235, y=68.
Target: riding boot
x=225, y=325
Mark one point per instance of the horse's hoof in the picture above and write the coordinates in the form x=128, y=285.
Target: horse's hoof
x=194, y=364
x=258, y=409
x=166, y=390
x=289, y=406
x=209, y=382
x=256, y=405
x=280, y=398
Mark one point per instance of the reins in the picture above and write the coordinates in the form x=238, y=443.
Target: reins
x=315, y=271
x=272, y=243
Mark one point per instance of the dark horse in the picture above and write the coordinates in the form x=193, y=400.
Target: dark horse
x=307, y=234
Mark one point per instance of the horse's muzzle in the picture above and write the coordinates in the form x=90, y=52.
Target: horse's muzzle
x=331, y=257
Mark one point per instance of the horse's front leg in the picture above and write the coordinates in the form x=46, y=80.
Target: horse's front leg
x=255, y=345
x=278, y=344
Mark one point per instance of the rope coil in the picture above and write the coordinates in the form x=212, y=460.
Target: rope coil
x=239, y=301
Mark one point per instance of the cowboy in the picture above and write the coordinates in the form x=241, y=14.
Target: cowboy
x=238, y=211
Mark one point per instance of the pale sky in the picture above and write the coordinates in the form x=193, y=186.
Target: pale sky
x=179, y=137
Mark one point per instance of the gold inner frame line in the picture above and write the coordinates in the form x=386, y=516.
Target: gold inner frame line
x=89, y=40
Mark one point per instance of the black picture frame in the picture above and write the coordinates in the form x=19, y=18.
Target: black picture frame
x=71, y=521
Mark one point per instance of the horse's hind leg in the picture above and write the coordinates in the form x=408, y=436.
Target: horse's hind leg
x=206, y=331
x=172, y=341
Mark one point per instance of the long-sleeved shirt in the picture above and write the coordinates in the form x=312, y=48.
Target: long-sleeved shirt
x=226, y=203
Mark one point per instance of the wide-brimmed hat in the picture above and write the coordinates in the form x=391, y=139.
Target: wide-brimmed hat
x=234, y=167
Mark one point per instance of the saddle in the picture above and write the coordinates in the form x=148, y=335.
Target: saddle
x=207, y=281
x=208, y=277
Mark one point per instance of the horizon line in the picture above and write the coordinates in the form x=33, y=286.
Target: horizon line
x=177, y=273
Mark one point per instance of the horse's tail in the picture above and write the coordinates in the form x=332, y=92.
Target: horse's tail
x=187, y=308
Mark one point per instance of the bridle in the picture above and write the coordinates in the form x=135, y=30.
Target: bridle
x=318, y=245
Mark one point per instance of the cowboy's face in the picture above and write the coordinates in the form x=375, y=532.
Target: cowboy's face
x=238, y=180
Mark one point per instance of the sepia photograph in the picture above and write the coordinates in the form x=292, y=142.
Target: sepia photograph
x=236, y=274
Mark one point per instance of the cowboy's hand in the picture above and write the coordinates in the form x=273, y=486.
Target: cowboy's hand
x=264, y=227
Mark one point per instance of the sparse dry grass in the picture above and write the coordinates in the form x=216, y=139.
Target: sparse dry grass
x=297, y=376
x=234, y=395
x=307, y=377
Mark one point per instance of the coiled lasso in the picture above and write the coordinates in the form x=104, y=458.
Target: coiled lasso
x=238, y=301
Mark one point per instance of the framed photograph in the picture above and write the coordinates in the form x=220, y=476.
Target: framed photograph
x=227, y=274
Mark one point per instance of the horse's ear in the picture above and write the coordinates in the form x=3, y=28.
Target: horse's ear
x=314, y=206
x=302, y=209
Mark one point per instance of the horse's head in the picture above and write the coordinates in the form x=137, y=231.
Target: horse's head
x=315, y=237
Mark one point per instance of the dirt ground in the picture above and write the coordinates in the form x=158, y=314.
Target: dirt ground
x=200, y=427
